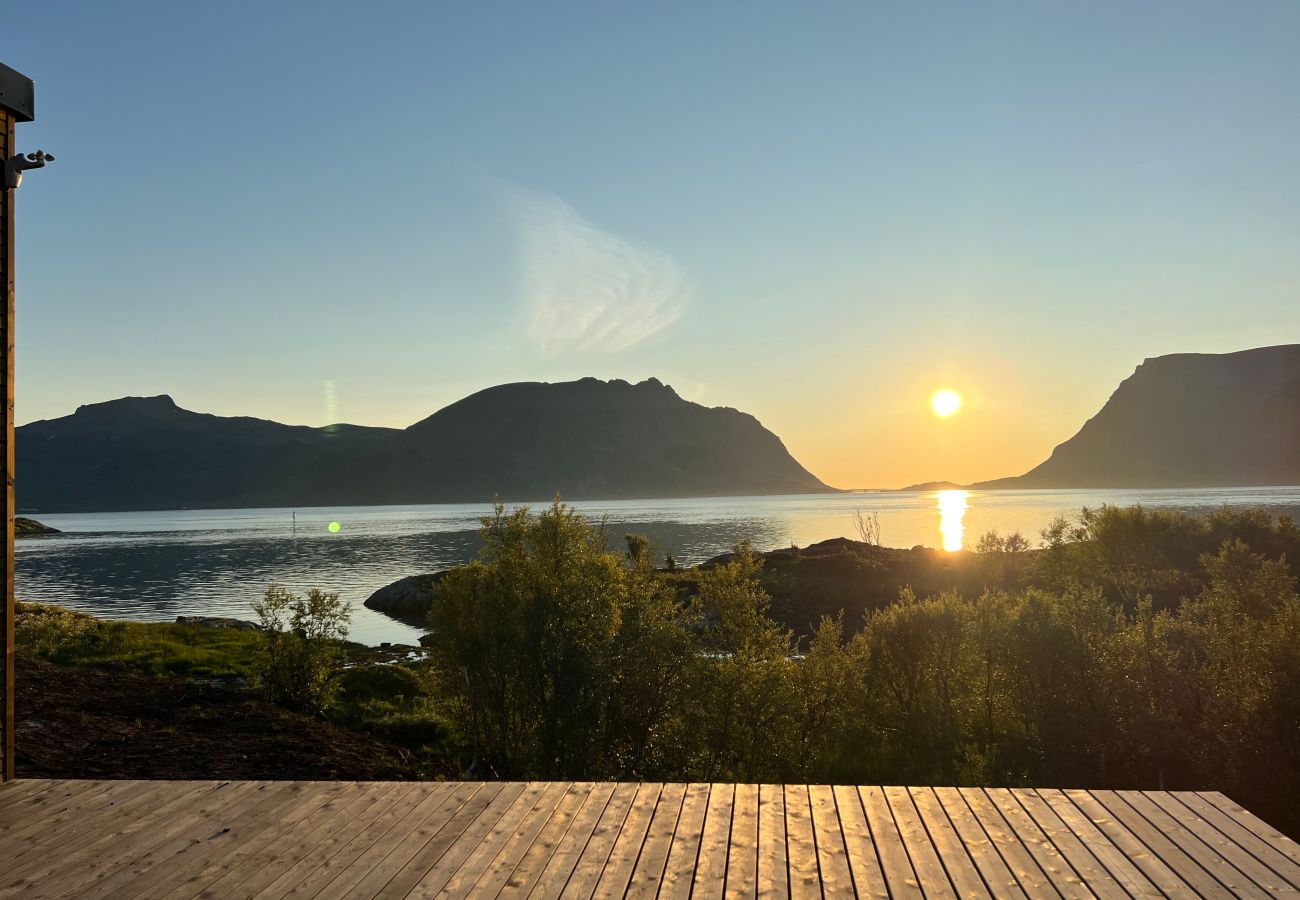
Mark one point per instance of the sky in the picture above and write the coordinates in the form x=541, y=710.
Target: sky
x=816, y=213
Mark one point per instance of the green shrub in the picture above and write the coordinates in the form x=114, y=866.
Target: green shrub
x=303, y=645
x=378, y=682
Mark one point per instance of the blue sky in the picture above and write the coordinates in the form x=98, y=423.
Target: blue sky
x=818, y=213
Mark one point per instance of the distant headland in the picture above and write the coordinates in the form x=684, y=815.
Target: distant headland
x=586, y=439
x=1183, y=420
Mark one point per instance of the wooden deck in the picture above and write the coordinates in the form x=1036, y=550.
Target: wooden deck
x=179, y=839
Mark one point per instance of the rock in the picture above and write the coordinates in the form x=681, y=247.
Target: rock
x=407, y=600
x=24, y=526
x=218, y=622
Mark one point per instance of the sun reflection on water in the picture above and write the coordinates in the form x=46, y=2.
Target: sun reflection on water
x=952, y=509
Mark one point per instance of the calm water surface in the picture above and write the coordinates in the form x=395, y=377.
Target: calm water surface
x=158, y=565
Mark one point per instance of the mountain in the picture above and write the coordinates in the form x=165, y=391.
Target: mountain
x=586, y=439
x=1187, y=420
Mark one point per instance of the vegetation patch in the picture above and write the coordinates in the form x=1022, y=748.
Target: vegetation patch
x=157, y=648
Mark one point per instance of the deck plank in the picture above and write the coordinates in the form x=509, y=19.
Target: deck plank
x=1273, y=854
x=1028, y=873
x=1260, y=874
x=563, y=862
x=332, y=844
x=237, y=837
x=116, y=828
x=993, y=869
x=953, y=852
x=1177, y=846
x=864, y=863
x=894, y=861
x=493, y=878
x=1088, y=835
x=631, y=838
x=541, y=840
x=357, y=852
x=773, y=860
x=386, y=856
x=243, y=874
x=1188, y=844
x=1160, y=846
x=1080, y=858
x=591, y=862
x=832, y=850
x=188, y=838
x=679, y=870
x=1063, y=877
x=121, y=801
x=742, y=857
x=801, y=844
x=460, y=880
x=52, y=809
x=533, y=862
x=25, y=797
x=648, y=875
x=435, y=863
x=929, y=868
x=1261, y=829
x=1157, y=871
x=711, y=861
x=429, y=841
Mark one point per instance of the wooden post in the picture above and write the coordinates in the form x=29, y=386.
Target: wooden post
x=17, y=104
x=7, y=450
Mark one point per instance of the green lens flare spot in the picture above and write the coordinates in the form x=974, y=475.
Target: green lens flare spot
x=335, y=527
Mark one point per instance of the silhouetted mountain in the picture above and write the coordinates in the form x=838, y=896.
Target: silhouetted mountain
x=1187, y=420
x=586, y=439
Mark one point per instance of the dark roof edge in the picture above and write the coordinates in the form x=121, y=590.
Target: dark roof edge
x=17, y=94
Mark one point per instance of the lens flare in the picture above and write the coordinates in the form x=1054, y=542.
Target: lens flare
x=945, y=403
x=335, y=527
x=952, y=509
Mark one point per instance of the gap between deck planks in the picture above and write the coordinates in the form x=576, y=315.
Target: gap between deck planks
x=586, y=840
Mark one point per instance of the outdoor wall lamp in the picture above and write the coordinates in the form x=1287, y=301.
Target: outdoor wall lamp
x=19, y=163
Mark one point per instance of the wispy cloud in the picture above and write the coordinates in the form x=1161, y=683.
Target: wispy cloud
x=585, y=289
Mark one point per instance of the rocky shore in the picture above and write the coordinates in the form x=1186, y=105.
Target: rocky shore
x=805, y=583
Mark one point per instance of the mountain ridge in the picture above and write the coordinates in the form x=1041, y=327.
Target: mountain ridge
x=586, y=439
x=1186, y=420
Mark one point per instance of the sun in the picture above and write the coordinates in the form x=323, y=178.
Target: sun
x=945, y=403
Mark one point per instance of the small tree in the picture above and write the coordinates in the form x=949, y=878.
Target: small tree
x=304, y=643
x=566, y=656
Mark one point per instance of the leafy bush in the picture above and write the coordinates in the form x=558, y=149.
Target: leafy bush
x=562, y=655
x=303, y=645
x=379, y=682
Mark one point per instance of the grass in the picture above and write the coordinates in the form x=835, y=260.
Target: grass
x=155, y=648
x=395, y=703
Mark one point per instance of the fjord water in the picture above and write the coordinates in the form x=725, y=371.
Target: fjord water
x=158, y=565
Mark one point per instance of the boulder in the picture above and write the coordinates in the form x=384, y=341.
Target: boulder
x=408, y=600
x=219, y=622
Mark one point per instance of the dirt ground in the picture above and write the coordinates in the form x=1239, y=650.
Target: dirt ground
x=104, y=722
